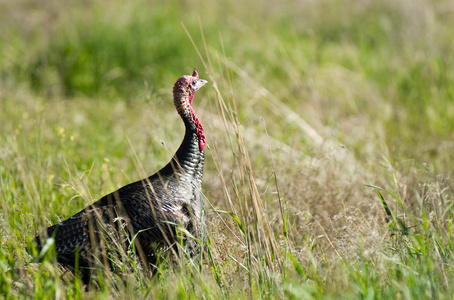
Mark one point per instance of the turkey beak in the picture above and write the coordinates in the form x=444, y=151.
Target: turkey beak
x=200, y=83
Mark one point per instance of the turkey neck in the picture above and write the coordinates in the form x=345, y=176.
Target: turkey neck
x=189, y=158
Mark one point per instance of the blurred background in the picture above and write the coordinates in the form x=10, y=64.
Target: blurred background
x=383, y=61
x=327, y=95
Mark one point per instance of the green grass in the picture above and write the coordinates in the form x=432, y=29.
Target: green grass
x=329, y=128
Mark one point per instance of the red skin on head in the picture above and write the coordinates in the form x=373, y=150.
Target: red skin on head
x=182, y=87
x=196, y=76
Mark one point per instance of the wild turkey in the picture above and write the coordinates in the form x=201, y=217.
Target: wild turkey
x=152, y=208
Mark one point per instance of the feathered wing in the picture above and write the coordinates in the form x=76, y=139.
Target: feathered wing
x=146, y=210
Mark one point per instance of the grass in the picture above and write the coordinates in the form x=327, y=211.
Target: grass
x=329, y=128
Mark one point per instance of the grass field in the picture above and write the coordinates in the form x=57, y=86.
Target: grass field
x=330, y=131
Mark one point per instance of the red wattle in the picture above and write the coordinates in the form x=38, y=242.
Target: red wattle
x=198, y=130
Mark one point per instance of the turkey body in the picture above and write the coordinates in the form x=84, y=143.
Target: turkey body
x=146, y=213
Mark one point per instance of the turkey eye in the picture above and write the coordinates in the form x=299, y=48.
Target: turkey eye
x=194, y=82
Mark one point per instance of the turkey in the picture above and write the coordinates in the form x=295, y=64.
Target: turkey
x=150, y=211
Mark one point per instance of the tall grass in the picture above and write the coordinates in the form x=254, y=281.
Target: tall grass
x=329, y=126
